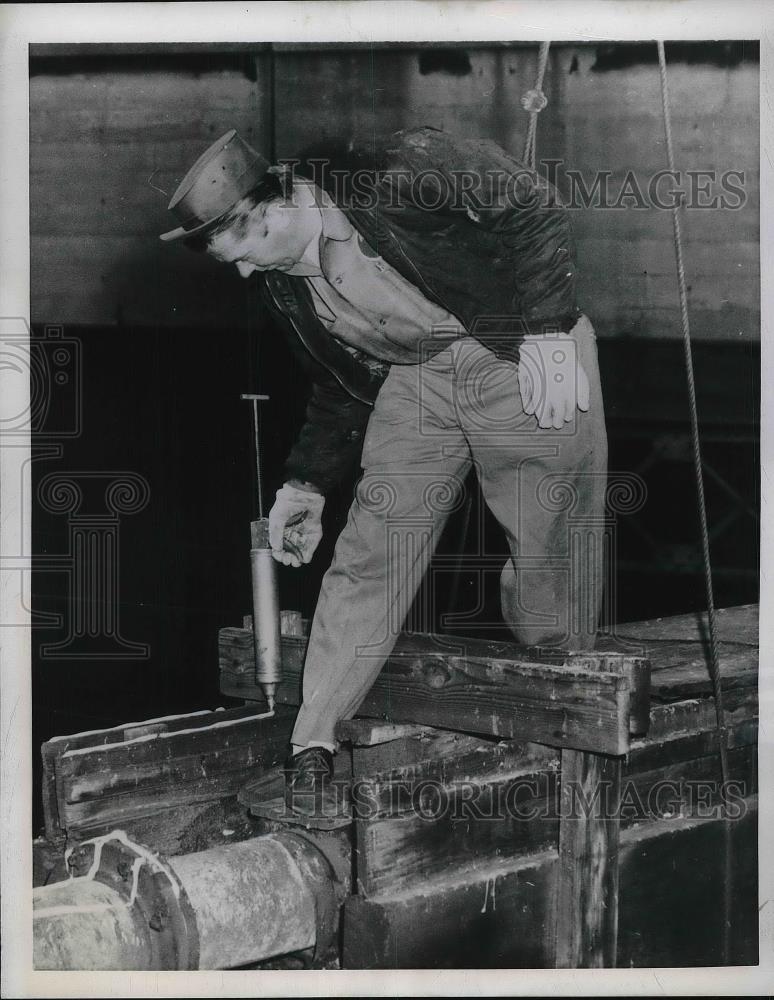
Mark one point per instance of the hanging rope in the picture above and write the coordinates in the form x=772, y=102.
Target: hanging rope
x=714, y=665
x=714, y=656
x=534, y=101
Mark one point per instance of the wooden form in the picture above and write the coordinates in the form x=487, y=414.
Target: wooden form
x=98, y=780
x=586, y=707
x=588, y=704
x=517, y=886
x=500, y=915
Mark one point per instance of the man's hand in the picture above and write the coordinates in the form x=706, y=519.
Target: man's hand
x=552, y=381
x=295, y=526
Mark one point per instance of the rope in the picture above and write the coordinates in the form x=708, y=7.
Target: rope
x=534, y=101
x=714, y=655
x=714, y=664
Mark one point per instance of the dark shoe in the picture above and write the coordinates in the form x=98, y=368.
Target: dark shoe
x=309, y=786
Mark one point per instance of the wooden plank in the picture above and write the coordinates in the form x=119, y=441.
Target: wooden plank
x=371, y=732
x=685, y=746
x=471, y=685
x=737, y=624
x=168, y=776
x=679, y=652
x=493, y=916
x=116, y=782
x=52, y=821
x=237, y=666
x=109, y=811
x=559, y=706
x=587, y=873
x=684, y=670
x=687, y=788
x=53, y=749
x=389, y=774
x=738, y=659
x=697, y=716
x=441, y=827
x=152, y=747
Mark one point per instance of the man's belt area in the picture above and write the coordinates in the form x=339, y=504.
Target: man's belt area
x=505, y=335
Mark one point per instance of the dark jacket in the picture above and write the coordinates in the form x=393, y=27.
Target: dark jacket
x=473, y=229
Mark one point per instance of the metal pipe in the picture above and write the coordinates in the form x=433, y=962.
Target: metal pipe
x=266, y=611
x=85, y=924
x=251, y=902
x=232, y=906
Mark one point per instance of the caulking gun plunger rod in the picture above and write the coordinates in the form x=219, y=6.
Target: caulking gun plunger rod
x=257, y=438
x=266, y=612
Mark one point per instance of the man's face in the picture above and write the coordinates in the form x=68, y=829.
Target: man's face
x=274, y=237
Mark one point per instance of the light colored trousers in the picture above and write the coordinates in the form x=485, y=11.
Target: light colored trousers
x=546, y=488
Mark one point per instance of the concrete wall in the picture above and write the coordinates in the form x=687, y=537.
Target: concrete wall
x=100, y=127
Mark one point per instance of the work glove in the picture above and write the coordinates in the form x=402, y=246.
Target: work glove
x=295, y=524
x=552, y=381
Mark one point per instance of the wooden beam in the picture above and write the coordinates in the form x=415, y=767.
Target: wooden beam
x=102, y=780
x=587, y=874
x=476, y=686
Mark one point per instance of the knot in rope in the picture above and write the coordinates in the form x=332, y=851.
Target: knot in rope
x=534, y=101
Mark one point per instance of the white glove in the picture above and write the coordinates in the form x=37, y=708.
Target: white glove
x=295, y=524
x=552, y=381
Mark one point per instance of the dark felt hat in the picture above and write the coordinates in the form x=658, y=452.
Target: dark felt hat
x=220, y=178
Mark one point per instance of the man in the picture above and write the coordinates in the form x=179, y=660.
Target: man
x=434, y=308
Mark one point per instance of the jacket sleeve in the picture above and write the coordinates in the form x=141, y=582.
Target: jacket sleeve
x=330, y=442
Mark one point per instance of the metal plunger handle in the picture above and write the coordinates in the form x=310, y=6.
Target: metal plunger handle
x=255, y=399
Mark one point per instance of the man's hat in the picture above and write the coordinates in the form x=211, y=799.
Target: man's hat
x=220, y=178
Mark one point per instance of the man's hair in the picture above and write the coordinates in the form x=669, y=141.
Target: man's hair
x=269, y=187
